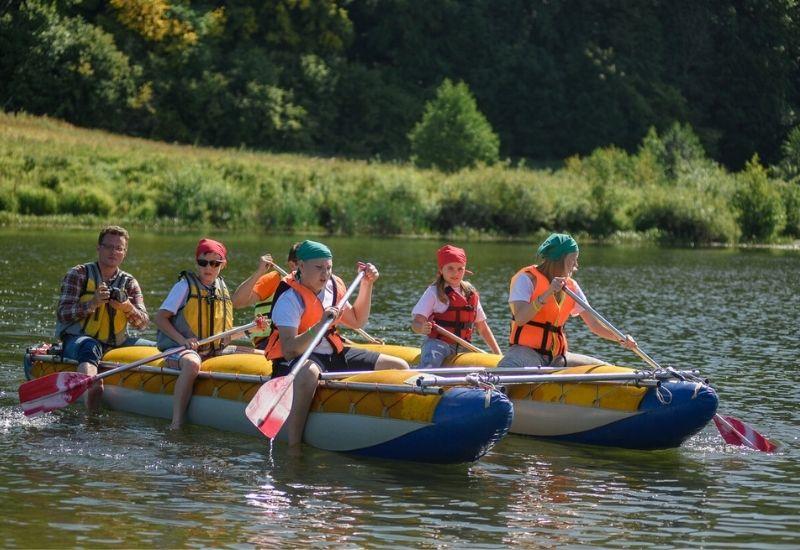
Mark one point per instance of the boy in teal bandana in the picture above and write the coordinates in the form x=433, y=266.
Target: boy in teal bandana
x=303, y=303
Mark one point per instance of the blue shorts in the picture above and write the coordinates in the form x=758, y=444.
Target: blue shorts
x=434, y=352
x=85, y=349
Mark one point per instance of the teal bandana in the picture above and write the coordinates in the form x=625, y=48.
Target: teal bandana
x=311, y=250
x=556, y=246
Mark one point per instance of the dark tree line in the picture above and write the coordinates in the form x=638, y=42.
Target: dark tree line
x=554, y=78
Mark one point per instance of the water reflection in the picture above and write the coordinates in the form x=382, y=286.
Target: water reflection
x=123, y=480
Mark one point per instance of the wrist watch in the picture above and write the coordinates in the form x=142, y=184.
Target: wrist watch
x=540, y=300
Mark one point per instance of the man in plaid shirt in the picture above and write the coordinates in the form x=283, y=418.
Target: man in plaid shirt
x=98, y=301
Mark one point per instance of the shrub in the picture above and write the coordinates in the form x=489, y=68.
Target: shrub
x=758, y=203
x=453, y=134
x=607, y=213
x=50, y=181
x=494, y=199
x=8, y=201
x=38, y=201
x=609, y=165
x=282, y=202
x=790, y=193
x=398, y=205
x=677, y=151
x=86, y=200
x=572, y=210
x=680, y=216
x=789, y=166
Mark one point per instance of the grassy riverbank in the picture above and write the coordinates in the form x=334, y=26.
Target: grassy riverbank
x=53, y=173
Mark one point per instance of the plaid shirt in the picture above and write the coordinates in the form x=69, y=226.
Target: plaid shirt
x=71, y=309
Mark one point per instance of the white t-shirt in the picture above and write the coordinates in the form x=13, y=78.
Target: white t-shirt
x=522, y=290
x=430, y=304
x=176, y=297
x=289, y=308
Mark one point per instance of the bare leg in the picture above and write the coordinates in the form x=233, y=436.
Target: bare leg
x=184, y=385
x=387, y=362
x=304, y=387
x=95, y=393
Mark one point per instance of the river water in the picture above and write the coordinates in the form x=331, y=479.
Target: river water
x=119, y=480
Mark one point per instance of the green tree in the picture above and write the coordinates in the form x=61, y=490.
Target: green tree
x=789, y=166
x=761, y=213
x=453, y=134
x=63, y=67
x=677, y=150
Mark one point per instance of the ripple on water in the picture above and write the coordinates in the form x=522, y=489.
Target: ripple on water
x=122, y=480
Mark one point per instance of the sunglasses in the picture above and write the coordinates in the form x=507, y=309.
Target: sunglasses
x=214, y=263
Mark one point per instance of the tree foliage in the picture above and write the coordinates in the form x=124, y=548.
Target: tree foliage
x=453, y=134
x=554, y=79
x=760, y=210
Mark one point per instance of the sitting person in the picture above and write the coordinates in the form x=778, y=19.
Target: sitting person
x=198, y=306
x=304, y=301
x=540, y=308
x=98, y=302
x=452, y=303
x=259, y=288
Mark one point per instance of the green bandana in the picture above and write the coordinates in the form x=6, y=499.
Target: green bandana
x=556, y=246
x=311, y=250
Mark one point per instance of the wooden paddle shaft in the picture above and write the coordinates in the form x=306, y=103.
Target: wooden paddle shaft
x=460, y=341
x=647, y=359
x=361, y=332
x=204, y=341
x=637, y=350
x=310, y=349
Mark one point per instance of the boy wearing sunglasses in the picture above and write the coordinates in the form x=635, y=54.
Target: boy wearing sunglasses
x=198, y=306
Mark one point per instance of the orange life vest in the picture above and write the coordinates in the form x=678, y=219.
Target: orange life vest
x=312, y=313
x=545, y=332
x=459, y=317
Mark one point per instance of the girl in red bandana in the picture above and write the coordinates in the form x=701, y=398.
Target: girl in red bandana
x=453, y=304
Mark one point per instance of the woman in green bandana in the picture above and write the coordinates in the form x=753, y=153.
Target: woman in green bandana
x=540, y=308
x=303, y=302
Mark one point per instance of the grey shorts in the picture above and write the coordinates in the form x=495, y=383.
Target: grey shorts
x=519, y=356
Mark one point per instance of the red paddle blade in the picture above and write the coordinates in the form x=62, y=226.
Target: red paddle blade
x=52, y=392
x=736, y=432
x=271, y=405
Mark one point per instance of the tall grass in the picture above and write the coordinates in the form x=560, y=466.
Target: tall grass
x=50, y=169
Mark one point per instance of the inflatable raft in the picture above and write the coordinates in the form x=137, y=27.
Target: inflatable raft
x=374, y=414
x=645, y=411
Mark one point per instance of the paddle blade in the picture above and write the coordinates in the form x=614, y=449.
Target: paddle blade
x=271, y=405
x=736, y=432
x=52, y=392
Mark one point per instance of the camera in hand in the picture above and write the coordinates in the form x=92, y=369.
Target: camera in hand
x=118, y=294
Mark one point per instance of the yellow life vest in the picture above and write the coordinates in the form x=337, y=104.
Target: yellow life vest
x=106, y=324
x=207, y=311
